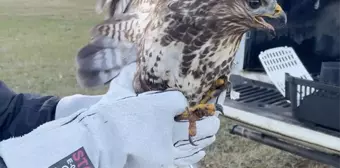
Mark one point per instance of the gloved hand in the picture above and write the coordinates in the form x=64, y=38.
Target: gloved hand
x=185, y=154
x=71, y=104
x=120, y=127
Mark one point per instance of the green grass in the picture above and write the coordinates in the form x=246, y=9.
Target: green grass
x=38, y=43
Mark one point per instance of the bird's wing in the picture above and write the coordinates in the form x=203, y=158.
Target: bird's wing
x=115, y=6
x=111, y=48
x=121, y=28
x=113, y=42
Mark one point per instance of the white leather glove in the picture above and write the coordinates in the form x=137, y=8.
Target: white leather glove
x=184, y=153
x=120, y=127
x=71, y=104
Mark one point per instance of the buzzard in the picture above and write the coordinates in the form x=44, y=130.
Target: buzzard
x=189, y=45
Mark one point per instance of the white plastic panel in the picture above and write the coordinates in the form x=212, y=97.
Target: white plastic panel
x=280, y=60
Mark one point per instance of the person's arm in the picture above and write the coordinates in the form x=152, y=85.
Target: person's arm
x=21, y=113
x=2, y=163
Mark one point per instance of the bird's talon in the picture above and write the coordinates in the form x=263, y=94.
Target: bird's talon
x=194, y=114
x=219, y=108
x=191, y=141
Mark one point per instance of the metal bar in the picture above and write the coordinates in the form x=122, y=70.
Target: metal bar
x=241, y=86
x=244, y=88
x=333, y=160
x=260, y=96
x=265, y=100
x=275, y=99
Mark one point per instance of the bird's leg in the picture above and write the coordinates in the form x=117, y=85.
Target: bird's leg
x=203, y=109
x=216, y=89
x=194, y=114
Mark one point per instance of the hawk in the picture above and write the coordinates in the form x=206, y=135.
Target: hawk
x=190, y=45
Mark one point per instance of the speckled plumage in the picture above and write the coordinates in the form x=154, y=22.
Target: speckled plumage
x=185, y=45
x=113, y=41
x=124, y=6
x=189, y=44
x=126, y=19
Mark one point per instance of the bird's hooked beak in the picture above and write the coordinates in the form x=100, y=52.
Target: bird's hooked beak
x=278, y=14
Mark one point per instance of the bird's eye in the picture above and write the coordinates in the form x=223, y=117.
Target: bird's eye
x=254, y=4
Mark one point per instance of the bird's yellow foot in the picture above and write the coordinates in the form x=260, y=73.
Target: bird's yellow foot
x=215, y=90
x=195, y=113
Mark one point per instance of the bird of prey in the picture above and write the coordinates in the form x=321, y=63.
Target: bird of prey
x=189, y=45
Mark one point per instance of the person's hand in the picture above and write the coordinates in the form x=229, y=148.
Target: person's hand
x=122, y=127
x=184, y=153
x=71, y=104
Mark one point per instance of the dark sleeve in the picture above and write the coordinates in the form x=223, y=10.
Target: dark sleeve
x=2, y=163
x=23, y=112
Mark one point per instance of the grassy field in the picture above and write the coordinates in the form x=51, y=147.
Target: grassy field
x=38, y=42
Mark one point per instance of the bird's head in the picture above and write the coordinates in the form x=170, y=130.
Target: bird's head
x=249, y=14
x=259, y=9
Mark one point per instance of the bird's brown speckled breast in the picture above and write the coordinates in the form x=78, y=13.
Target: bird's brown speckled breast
x=189, y=65
x=186, y=53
